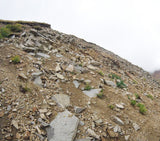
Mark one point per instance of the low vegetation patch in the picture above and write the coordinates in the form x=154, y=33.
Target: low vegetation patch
x=142, y=108
x=14, y=27
x=137, y=96
x=87, y=87
x=101, y=73
x=120, y=84
x=133, y=102
x=111, y=107
x=114, y=76
x=4, y=32
x=7, y=30
x=25, y=89
x=16, y=59
x=150, y=96
x=100, y=95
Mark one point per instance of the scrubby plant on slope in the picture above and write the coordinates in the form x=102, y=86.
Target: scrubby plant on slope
x=7, y=30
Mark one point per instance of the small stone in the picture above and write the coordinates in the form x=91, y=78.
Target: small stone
x=117, y=128
x=22, y=76
x=92, y=93
x=81, y=123
x=83, y=140
x=76, y=83
x=112, y=134
x=1, y=114
x=136, y=126
x=36, y=74
x=126, y=137
x=58, y=68
x=8, y=136
x=99, y=122
x=110, y=83
x=43, y=116
x=39, y=54
x=70, y=68
x=18, y=136
x=92, y=67
x=15, y=124
x=43, y=124
x=92, y=133
x=60, y=76
x=43, y=110
x=26, y=135
x=78, y=109
x=120, y=106
x=38, y=81
x=118, y=120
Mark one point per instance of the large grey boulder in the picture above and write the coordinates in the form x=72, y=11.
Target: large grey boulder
x=63, y=127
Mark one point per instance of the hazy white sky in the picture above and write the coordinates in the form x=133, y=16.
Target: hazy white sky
x=129, y=28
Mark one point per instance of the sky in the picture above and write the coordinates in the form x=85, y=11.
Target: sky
x=129, y=28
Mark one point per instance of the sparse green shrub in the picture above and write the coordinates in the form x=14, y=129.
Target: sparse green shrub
x=101, y=73
x=14, y=27
x=142, y=108
x=25, y=89
x=135, y=82
x=1, y=36
x=120, y=84
x=129, y=97
x=87, y=87
x=100, y=95
x=111, y=107
x=150, y=96
x=137, y=96
x=16, y=59
x=114, y=76
x=133, y=102
x=4, y=32
x=81, y=65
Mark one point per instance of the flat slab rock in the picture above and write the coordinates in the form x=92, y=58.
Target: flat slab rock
x=63, y=127
x=62, y=100
x=92, y=92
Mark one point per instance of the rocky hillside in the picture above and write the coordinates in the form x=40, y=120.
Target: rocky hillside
x=58, y=87
x=156, y=75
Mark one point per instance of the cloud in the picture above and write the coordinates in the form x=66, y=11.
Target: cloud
x=129, y=28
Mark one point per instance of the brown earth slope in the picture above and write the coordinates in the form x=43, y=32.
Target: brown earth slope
x=53, y=63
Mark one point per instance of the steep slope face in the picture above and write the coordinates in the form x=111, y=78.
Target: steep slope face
x=156, y=75
x=63, y=81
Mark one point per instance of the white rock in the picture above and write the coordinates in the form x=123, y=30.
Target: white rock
x=117, y=128
x=60, y=76
x=92, y=133
x=110, y=83
x=92, y=93
x=118, y=120
x=70, y=68
x=120, y=106
x=92, y=67
x=136, y=126
x=58, y=68
x=127, y=137
x=15, y=124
